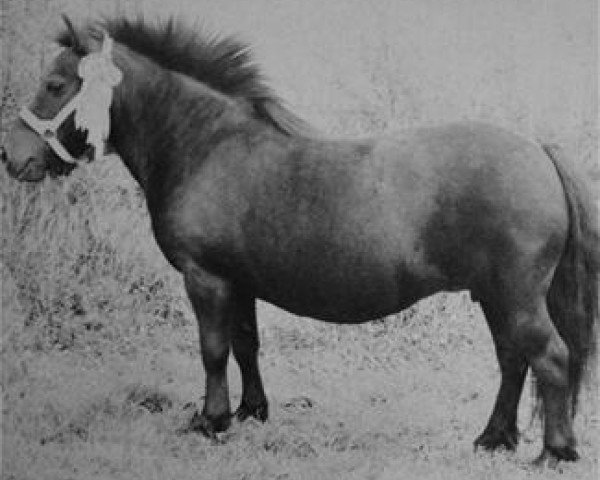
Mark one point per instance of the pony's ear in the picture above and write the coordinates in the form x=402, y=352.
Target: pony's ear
x=96, y=37
x=73, y=41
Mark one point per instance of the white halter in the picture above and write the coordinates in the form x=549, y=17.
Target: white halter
x=91, y=104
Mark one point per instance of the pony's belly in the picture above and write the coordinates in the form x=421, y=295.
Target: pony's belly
x=350, y=299
x=333, y=313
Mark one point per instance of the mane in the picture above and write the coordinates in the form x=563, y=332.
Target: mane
x=225, y=64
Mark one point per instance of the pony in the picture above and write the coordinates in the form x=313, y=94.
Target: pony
x=247, y=201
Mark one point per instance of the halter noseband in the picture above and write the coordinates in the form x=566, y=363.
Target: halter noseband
x=91, y=104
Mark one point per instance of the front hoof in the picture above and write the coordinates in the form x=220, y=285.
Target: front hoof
x=207, y=426
x=493, y=439
x=260, y=411
x=550, y=456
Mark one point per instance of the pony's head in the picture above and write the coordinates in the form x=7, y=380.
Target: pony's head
x=72, y=107
x=48, y=137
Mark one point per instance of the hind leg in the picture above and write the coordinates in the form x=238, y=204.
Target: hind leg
x=245, y=345
x=501, y=429
x=534, y=334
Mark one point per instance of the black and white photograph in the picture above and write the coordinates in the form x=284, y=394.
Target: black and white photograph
x=299, y=240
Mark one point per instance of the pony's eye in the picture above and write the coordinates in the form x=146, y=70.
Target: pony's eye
x=55, y=88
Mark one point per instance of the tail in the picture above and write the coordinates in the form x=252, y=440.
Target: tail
x=573, y=295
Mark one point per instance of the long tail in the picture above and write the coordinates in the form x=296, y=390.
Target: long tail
x=573, y=295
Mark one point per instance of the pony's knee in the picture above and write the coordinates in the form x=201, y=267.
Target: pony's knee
x=214, y=348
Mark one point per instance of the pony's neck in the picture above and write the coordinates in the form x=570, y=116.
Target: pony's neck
x=159, y=116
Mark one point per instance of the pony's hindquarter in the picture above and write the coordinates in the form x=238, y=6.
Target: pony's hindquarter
x=547, y=320
x=573, y=294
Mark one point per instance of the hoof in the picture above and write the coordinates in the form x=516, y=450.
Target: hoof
x=493, y=439
x=550, y=456
x=260, y=411
x=208, y=427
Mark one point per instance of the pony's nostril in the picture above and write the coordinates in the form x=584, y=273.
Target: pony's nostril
x=3, y=155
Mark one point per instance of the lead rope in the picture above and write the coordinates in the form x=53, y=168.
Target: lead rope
x=91, y=104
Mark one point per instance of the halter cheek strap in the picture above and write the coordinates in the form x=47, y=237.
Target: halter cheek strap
x=91, y=104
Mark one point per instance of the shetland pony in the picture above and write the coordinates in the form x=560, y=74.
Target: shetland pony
x=247, y=202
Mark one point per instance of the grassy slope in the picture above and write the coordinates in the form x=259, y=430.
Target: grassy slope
x=99, y=349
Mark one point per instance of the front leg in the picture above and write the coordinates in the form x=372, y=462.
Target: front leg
x=245, y=344
x=214, y=303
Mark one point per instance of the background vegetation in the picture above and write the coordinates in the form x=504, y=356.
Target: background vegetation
x=100, y=365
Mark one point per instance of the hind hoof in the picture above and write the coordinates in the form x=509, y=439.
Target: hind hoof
x=550, y=456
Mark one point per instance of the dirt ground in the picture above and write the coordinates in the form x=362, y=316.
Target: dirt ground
x=99, y=353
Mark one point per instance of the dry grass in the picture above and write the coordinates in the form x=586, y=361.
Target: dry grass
x=99, y=348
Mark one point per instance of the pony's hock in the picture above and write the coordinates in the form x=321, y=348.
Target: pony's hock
x=246, y=202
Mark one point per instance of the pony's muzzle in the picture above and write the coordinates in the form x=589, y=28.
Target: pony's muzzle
x=23, y=153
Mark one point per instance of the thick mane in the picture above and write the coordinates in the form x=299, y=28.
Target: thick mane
x=223, y=63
